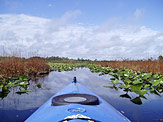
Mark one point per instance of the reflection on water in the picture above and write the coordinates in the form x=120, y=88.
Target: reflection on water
x=18, y=107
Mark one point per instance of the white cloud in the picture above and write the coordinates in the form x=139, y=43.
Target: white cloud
x=139, y=13
x=50, y=5
x=59, y=37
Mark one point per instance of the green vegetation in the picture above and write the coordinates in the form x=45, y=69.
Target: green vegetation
x=57, y=59
x=22, y=82
x=66, y=67
x=139, y=83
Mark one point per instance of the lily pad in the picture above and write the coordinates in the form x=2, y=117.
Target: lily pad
x=23, y=91
x=137, y=101
x=38, y=85
x=137, y=82
x=155, y=82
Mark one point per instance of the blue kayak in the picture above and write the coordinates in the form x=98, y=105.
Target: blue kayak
x=75, y=103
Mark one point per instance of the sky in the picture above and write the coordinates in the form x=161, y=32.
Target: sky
x=89, y=29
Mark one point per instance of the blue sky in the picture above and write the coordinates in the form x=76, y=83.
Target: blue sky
x=95, y=29
x=93, y=11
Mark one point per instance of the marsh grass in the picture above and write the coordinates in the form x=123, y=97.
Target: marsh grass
x=142, y=66
x=15, y=66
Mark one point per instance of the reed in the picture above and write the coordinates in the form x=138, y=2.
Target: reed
x=142, y=66
x=15, y=66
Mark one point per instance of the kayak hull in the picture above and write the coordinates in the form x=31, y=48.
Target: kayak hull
x=103, y=112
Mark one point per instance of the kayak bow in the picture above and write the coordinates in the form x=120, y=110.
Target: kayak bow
x=76, y=103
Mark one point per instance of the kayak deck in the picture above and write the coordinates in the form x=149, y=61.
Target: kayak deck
x=102, y=112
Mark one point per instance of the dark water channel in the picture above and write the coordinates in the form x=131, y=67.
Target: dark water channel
x=17, y=108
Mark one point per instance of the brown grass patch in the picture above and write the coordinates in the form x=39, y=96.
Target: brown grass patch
x=143, y=66
x=14, y=66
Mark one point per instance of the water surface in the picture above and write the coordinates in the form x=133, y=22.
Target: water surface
x=17, y=108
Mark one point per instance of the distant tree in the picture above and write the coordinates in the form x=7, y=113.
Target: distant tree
x=150, y=59
x=160, y=58
x=95, y=60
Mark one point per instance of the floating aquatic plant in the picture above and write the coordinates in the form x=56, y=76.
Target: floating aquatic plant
x=140, y=83
x=22, y=82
